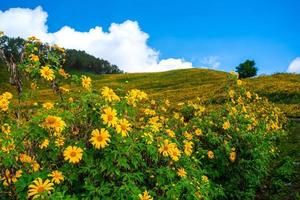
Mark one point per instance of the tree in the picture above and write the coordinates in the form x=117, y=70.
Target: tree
x=80, y=60
x=247, y=69
x=11, y=53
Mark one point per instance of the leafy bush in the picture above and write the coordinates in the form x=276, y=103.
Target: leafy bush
x=247, y=69
x=99, y=145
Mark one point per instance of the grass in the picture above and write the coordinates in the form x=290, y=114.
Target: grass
x=180, y=85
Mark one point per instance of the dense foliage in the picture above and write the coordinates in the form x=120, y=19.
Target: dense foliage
x=80, y=60
x=12, y=50
x=103, y=145
x=247, y=69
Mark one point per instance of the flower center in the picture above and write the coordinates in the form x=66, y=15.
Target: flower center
x=110, y=117
x=73, y=154
x=99, y=138
x=123, y=127
x=166, y=148
x=40, y=189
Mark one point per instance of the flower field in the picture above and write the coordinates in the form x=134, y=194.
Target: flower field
x=90, y=142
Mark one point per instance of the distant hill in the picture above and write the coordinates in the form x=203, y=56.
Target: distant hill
x=208, y=85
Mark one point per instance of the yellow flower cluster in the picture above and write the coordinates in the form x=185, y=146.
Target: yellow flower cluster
x=48, y=105
x=145, y=196
x=135, y=96
x=109, y=95
x=55, y=124
x=25, y=158
x=188, y=147
x=9, y=177
x=34, y=58
x=169, y=149
x=4, y=101
x=63, y=73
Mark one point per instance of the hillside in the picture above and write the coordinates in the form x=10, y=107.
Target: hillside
x=209, y=85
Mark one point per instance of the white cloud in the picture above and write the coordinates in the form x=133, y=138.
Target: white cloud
x=211, y=62
x=124, y=44
x=294, y=66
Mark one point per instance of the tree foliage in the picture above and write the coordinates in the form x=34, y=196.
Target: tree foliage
x=80, y=60
x=247, y=69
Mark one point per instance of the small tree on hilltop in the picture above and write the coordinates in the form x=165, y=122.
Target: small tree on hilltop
x=247, y=69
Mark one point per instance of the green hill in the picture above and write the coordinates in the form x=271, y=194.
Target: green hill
x=208, y=85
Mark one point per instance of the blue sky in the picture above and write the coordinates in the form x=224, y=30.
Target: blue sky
x=231, y=31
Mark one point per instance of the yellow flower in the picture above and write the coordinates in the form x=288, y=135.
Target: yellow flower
x=47, y=73
x=8, y=147
x=188, y=147
x=175, y=154
x=71, y=100
x=166, y=148
x=181, y=172
x=109, y=116
x=86, y=82
x=187, y=135
x=6, y=128
x=63, y=73
x=48, y=105
x=226, y=125
x=123, y=127
x=145, y=196
x=248, y=94
x=10, y=178
x=63, y=89
x=24, y=158
x=73, y=154
x=204, y=178
x=44, y=144
x=38, y=188
x=134, y=96
x=57, y=176
x=239, y=82
x=149, y=137
x=210, y=155
x=232, y=156
x=34, y=58
x=170, y=133
x=60, y=141
x=33, y=86
x=35, y=166
x=4, y=103
x=198, y=132
x=109, y=94
x=54, y=123
x=7, y=95
x=100, y=138
x=231, y=93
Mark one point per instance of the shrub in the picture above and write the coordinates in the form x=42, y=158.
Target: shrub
x=247, y=69
x=97, y=144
